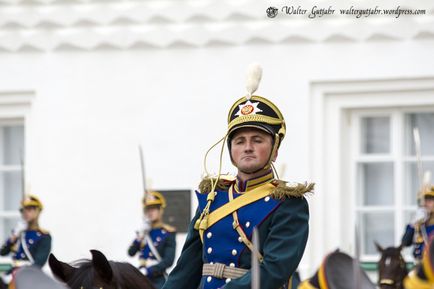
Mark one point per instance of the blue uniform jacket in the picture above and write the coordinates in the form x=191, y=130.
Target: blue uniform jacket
x=283, y=231
x=38, y=242
x=164, y=240
x=418, y=245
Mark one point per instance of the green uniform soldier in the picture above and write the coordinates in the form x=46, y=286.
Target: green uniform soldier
x=156, y=242
x=28, y=244
x=422, y=277
x=421, y=230
x=217, y=251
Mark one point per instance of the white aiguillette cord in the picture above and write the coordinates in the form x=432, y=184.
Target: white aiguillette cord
x=154, y=250
x=26, y=249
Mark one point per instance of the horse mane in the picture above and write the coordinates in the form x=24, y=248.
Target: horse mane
x=125, y=275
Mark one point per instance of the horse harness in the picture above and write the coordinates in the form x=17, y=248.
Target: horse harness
x=392, y=282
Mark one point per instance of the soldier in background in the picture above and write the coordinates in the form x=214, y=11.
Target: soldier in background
x=421, y=230
x=156, y=241
x=28, y=244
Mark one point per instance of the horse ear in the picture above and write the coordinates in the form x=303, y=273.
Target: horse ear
x=101, y=265
x=379, y=248
x=61, y=270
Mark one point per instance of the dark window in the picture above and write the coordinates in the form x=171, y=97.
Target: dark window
x=178, y=209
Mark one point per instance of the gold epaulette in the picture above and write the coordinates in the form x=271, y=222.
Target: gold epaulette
x=285, y=190
x=43, y=231
x=168, y=228
x=224, y=182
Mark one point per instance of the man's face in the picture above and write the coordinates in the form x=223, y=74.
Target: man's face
x=30, y=214
x=429, y=204
x=251, y=149
x=154, y=214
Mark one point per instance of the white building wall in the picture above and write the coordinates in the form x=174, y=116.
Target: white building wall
x=92, y=108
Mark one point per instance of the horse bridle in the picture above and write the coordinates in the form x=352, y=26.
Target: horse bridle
x=384, y=281
x=391, y=282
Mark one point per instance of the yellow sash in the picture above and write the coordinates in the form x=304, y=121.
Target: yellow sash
x=241, y=201
x=414, y=282
x=322, y=278
x=306, y=285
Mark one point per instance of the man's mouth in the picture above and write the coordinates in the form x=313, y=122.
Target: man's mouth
x=247, y=157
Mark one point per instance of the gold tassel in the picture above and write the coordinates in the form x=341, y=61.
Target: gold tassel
x=197, y=224
x=296, y=190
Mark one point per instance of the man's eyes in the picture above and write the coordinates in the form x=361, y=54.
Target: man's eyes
x=255, y=140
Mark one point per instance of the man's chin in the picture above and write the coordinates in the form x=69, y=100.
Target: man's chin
x=250, y=170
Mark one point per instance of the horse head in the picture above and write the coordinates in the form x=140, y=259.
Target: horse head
x=391, y=268
x=98, y=273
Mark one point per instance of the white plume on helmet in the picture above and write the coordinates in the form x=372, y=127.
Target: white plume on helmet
x=254, y=74
x=427, y=178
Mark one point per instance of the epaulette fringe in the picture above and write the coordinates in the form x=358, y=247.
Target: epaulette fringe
x=169, y=228
x=43, y=231
x=224, y=182
x=284, y=190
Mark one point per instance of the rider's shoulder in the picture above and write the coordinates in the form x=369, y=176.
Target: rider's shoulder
x=223, y=183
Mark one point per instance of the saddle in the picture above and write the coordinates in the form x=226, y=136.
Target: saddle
x=338, y=271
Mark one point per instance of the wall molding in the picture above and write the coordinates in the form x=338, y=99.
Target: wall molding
x=59, y=25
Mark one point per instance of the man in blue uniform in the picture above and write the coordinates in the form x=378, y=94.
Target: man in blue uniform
x=422, y=277
x=421, y=231
x=156, y=242
x=218, y=249
x=29, y=244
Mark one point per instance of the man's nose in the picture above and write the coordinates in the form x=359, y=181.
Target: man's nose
x=248, y=146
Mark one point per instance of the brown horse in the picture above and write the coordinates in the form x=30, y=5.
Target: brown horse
x=338, y=271
x=391, y=268
x=99, y=273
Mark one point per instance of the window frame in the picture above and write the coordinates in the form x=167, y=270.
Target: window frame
x=11, y=214
x=15, y=108
x=396, y=156
x=330, y=105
